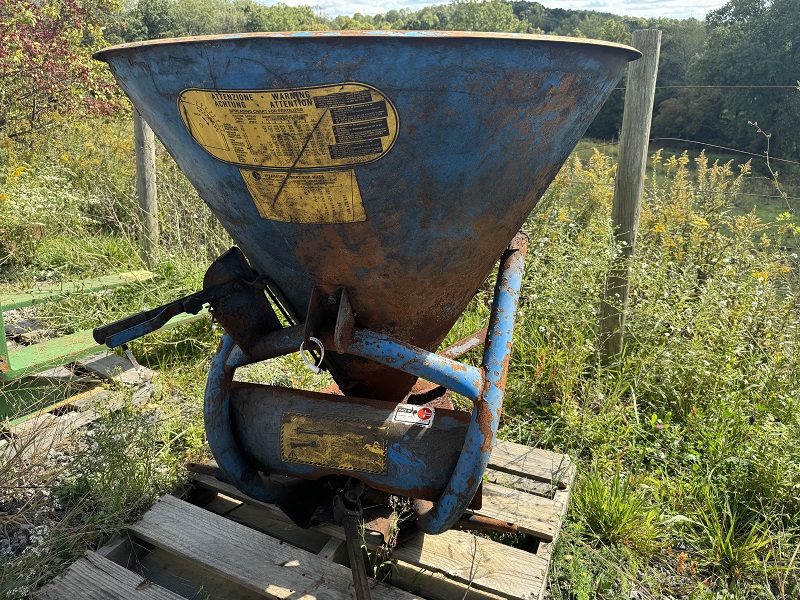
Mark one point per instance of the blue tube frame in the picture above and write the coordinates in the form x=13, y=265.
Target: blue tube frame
x=216, y=415
x=484, y=386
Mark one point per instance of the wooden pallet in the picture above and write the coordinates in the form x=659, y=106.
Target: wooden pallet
x=234, y=548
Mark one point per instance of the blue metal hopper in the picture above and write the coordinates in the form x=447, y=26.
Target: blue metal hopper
x=372, y=180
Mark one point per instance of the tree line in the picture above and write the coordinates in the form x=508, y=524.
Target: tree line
x=718, y=77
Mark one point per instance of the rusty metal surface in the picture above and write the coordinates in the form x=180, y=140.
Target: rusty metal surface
x=415, y=461
x=246, y=314
x=468, y=473
x=481, y=124
x=479, y=523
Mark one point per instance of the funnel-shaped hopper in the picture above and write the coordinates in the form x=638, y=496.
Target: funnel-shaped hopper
x=397, y=165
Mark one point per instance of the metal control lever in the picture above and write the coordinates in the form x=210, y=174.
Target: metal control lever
x=140, y=324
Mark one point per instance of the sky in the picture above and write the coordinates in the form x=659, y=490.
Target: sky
x=675, y=9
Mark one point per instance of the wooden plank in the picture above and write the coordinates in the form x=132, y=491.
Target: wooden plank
x=184, y=577
x=485, y=564
x=334, y=550
x=173, y=572
x=96, y=578
x=247, y=557
x=431, y=583
x=278, y=525
x=78, y=398
x=111, y=366
x=535, y=463
x=532, y=514
x=64, y=427
x=521, y=483
x=40, y=441
x=503, y=570
x=436, y=586
x=90, y=400
x=59, y=373
x=30, y=427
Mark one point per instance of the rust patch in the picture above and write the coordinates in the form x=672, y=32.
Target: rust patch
x=484, y=420
x=479, y=522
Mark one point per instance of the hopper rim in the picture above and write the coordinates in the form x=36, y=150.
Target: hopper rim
x=634, y=54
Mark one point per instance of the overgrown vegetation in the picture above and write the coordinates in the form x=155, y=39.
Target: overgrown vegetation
x=687, y=443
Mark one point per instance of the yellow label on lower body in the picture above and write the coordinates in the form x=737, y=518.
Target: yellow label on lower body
x=306, y=197
x=352, y=445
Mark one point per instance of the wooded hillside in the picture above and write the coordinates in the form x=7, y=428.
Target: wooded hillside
x=718, y=78
x=740, y=65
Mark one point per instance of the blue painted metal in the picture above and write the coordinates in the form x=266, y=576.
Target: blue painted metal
x=485, y=122
x=216, y=413
x=481, y=436
x=469, y=132
x=458, y=377
x=418, y=460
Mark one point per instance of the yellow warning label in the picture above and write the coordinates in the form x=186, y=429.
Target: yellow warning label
x=306, y=196
x=327, y=126
x=351, y=445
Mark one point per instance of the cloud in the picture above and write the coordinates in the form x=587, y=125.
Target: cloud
x=674, y=9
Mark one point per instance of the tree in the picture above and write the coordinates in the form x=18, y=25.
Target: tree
x=484, y=15
x=755, y=44
x=146, y=20
x=46, y=68
x=282, y=17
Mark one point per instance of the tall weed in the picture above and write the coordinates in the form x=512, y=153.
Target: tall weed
x=704, y=395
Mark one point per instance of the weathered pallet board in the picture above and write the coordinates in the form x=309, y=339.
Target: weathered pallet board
x=46, y=430
x=112, y=366
x=234, y=548
x=94, y=577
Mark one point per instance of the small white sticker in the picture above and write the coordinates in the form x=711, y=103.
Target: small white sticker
x=417, y=415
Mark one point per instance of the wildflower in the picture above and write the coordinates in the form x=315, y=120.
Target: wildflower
x=17, y=173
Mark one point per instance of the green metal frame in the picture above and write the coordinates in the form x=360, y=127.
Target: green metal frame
x=27, y=360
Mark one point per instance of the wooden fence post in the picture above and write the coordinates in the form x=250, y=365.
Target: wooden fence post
x=144, y=142
x=628, y=187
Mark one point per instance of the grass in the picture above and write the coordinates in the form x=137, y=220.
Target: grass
x=688, y=444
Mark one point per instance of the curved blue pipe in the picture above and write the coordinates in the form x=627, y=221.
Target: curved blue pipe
x=482, y=432
x=216, y=413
